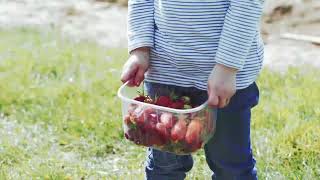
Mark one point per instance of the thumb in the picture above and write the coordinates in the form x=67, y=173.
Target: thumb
x=213, y=99
x=139, y=76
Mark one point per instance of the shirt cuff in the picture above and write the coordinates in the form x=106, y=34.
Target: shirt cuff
x=225, y=58
x=134, y=44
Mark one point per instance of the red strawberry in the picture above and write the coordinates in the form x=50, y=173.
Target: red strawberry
x=177, y=105
x=194, y=147
x=140, y=98
x=139, y=137
x=151, y=122
x=142, y=116
x=163, y=131
x=148, y=111
x=153, y=138
x=179, y=130
x=193, y=135
x=130, y=134
x=153, y=118
x=127, y=120
x=146, y=115
x=163, y=101
x=137, y=111
x=131, y=108
x=126, y=135
x=168, y=120
x=138, y=116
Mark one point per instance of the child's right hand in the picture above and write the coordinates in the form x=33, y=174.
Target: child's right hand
x=137, y=64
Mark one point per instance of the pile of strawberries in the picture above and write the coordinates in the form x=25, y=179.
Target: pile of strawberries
x=167, y=101
x=180, y=133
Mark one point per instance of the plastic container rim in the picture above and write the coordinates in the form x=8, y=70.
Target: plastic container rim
x=181, y=111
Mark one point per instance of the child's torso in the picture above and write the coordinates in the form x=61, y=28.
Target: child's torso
x=182, y=19
x=186, y=39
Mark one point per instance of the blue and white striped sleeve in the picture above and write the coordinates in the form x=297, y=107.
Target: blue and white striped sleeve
x=240, y=26
x=140, y=24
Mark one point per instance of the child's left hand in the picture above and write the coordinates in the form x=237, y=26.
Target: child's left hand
x=221, y=85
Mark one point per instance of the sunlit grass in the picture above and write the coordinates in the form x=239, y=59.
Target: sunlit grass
x=45, y=79
x=63, y=121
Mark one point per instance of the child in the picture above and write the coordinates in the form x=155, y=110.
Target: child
x=210, y=50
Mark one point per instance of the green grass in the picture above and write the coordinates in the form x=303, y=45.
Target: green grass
x=73, y=86
x=62, y=119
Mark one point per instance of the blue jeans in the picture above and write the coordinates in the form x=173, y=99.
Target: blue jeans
x=228, y=153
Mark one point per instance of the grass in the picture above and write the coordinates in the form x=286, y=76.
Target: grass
x=45, y=79
x=60, y=117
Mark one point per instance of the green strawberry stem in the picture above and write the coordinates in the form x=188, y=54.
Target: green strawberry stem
x=173, y=96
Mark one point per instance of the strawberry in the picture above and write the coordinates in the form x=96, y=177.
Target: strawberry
x=139, y=137
x=168, y=120
x=193, y=135
x=153, y=117
x=153, y=138
x=131, y=134
x=141, y=116
x=126, y=135
x=147, y=111
x=140, y=98
x=177, y=105
x=150, y=124
x=132, y=108
x=138, y=116
x=179, y=130
x=127, y=120
x=194, y=147
x=163, y=101
x=163, y=131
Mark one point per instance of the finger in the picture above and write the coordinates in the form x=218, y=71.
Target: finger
x=139, y=76
x=227, y=101
x=213, y=100
x=128, y=73
x=222, y=102
x=131, y=82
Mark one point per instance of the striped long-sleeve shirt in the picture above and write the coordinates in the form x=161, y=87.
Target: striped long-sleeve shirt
x=188, y=37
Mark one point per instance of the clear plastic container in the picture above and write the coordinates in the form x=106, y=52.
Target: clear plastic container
x=171, y=130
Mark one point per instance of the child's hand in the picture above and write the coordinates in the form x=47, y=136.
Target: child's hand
x=221, y=85
x=137, y=64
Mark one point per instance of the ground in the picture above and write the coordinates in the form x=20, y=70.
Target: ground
x=81, y=20
x=57, y=95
